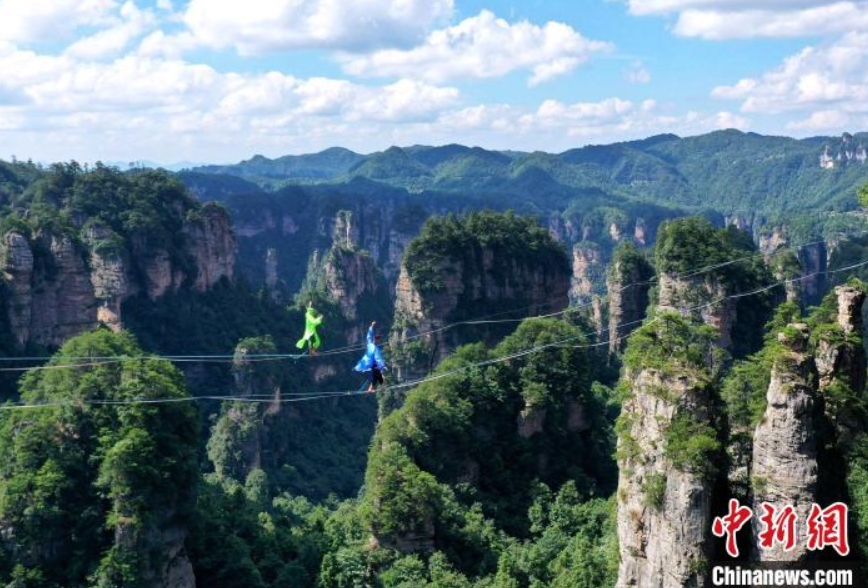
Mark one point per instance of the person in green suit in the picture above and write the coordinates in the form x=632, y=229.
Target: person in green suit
x=311, y=337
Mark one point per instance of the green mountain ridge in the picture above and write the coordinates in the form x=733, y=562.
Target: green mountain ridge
x=730, y=171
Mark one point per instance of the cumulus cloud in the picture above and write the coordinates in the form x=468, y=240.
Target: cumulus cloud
x=109, y=41
x=77, y=104
x=725, y=19
x=814, y=78
x=555, y=125
x=730, y=120
x=261, y=26
x=823, y=120
x=26, y=21
x=483, y=46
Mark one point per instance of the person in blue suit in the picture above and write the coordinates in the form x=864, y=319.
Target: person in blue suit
x=372, y=361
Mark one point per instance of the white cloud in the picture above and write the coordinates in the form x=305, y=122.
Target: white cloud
x=816, y=78
x=26, y=21
x=822, y=121
x=483, y=46
x=111, y=40
x=139, y=107
x=637, y=74
x=729, y=120
x=725, y=19
x=168, y=46
x=260, y=26
x=555, y=126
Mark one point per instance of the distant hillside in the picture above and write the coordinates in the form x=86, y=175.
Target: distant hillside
x=324, y=165
x=731, y=172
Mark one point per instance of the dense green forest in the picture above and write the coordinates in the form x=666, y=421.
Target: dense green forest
x=729, y=171
x=254, y=466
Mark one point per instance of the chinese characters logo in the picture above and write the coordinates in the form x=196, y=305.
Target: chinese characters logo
x=825, y=527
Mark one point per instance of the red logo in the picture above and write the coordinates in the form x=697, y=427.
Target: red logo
x=827, y=527
x=777, y=527
x=730, y=524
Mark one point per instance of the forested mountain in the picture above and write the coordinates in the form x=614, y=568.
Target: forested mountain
x=732, y=172
x=580, y=372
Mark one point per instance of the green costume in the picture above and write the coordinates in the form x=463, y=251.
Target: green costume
x=311, y=322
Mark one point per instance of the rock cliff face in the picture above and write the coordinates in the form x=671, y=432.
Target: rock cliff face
x=702, y=298
x=49, y=295
x=784, y=463
x=210, y=242
x=57, y=287
x=18, y=274
x=812, y=260
x=628, y=284
x=480, y=283
x=588, y=269
x=297, y=226
x=663, y=509
x=353, y=280
x=840, y=361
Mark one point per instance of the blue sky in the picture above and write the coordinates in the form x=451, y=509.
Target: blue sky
x=219, y=81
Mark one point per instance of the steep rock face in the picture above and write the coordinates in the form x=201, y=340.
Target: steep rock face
x=663, y=511
x=702, y=298
x=784, y=463
x=640, y=232
x=207, y=255
x=353, y=280
x=628, y=284
x=237, y=439
x=841, y=365
x=210, y=242
x=772, y=241
x=63, y=301
x=478, y=282
x=271, y=279
x=835, y=360
x=17, y=269
x=587, y=270
x=173, y=568
x=110, y=267
x=814, y=258
x=58, y=287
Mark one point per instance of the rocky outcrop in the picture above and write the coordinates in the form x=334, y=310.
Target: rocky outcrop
x=210, y=243
x=848, y=150
x=835, y=358
x=772, y=241
x=841, y=362
x=172, y=569
x=531, y=420
x=640, y=233
x=207, y=254
x=110, y=273
x=239, y=435
x=701, y=298
x=49, y=297
x=353, y=280
x=814, y=258
x=479, y=282
x=663, y=507
x=628, y=282
x=784, y=462
x=271, y=280
x=57, y=286
x=17, y=260
x=588, y=269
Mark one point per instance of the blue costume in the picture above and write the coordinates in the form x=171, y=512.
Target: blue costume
x=372, y=361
